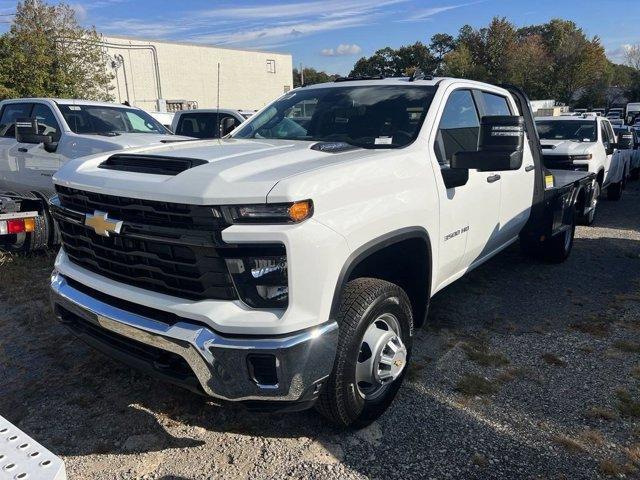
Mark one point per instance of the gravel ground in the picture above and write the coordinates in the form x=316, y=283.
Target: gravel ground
x=525, y=371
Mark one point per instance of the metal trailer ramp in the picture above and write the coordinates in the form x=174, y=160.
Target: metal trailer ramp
x=22, y=458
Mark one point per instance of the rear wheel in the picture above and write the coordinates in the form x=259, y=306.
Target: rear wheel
x=374, y=347
x=553, y=250
x=614, y=191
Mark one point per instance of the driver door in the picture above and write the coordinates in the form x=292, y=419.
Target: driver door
x=469, y=214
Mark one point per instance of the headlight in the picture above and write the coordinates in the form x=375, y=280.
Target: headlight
x=260, y=276
x=586, y=156
x=293, y=212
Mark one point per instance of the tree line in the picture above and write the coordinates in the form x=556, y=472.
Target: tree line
x=47, y=53
x=555, y=60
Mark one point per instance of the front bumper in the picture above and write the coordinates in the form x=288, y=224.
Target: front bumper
x=191, y=354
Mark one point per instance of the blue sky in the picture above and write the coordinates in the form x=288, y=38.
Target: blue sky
x=333, y=34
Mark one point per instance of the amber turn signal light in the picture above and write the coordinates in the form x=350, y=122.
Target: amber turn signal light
x=300, y=211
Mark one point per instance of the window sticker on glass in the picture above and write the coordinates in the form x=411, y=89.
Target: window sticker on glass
x=384, y=141
x=74, y=108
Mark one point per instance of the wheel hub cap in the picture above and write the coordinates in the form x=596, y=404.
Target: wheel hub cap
x=382, y=358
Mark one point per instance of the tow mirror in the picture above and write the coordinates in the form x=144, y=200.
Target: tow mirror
x=625, y=141
x=227, y=125
x=501, y=145
x=27, y=132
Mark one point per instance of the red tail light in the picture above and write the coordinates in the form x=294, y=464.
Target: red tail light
x=15, y=226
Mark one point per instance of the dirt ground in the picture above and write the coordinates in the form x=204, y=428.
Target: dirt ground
x=525, y=371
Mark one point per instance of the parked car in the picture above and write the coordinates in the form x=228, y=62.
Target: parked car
x=288, y=266
x=205, y=123
x=632, y=112
x=38, y=136
x=586, y=143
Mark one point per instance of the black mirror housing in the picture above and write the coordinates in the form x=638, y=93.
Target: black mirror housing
x=625, y=141
x=227, y=125
x=501, y=145
x=27, y=132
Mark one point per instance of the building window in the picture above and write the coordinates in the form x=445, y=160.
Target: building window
x=286, y=88
x=271, y=66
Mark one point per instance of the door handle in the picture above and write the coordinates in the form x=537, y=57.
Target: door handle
x=493, y=178
x=23, y=150
x=528, y=168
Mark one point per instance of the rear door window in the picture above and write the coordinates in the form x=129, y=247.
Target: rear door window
x=495, y=104
x=10, y=113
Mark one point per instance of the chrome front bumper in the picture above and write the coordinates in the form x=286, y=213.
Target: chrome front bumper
x=219, y=363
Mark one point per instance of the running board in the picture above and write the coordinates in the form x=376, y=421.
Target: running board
x=21, y=457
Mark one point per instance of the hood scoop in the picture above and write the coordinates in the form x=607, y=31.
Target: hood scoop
x=152, y=164
x=333, y=147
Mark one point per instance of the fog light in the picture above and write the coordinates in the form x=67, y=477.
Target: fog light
x=261, y=282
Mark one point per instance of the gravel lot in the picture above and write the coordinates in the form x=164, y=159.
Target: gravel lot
x=525, y=371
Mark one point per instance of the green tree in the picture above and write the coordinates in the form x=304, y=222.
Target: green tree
x=312, y=76
x=46, y=53
x=389, y=62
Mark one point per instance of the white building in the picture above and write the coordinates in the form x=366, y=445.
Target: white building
x=160, y=75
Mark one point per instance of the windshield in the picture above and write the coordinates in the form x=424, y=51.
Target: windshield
x=380, y=116
x=100, y=120
x=581, y=131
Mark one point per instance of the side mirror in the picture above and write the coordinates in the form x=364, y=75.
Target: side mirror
x=27, y=132
x=501, y=145
x=625, y=141
x=227, y=125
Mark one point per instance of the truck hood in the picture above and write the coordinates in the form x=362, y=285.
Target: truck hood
x=566, y=147
x=237, y=170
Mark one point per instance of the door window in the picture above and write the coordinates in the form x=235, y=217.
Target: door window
x=459, y=127
x=495, y=104
x=47, y=123
x=10, y=113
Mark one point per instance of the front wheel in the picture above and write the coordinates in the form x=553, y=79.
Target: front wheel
x=374, y=348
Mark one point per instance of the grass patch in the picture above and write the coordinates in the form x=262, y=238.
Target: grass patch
x=568, y=443
x=627, y=346
x=595, y=329
x=415, y=371
x=479, y=353
x=592, y=437
x=519, y=373
x=471, y=384
x=635, y=372
x=552, y=359
x=612, y=468
x=600, y=413
x=627, y=406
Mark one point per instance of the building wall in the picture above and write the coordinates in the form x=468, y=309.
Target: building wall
x=190, y=72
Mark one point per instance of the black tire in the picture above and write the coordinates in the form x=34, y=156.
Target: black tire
x=552, y=250
x=635, y=174
x=557, y=249
x=590, y=217
x=614, y=191
x=363, y=301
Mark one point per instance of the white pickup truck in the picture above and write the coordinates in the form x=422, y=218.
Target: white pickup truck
x=50, y=132
x=288, y=264
x=586, y=143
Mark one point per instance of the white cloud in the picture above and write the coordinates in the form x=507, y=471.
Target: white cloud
x=426, y=13
x=342, y=49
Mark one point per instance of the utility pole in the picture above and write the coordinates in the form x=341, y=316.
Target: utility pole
x=301, y=75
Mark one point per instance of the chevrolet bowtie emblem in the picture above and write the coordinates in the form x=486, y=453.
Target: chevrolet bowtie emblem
x=101, y=224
